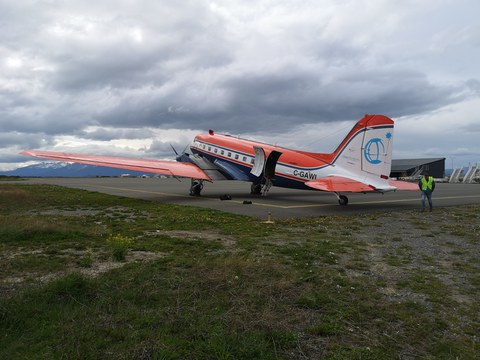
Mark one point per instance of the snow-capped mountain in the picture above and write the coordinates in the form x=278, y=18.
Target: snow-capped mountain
x=63, y=169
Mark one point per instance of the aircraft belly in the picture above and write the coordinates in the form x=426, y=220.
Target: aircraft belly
x=234, y=171
x=207, y=166
x=285, y=182
x=231, y=170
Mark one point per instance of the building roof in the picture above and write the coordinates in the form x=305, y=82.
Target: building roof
x=405, y=164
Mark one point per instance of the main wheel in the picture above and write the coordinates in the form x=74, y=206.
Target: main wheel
x=256, y=189
x=343, y=200
x=196, y=188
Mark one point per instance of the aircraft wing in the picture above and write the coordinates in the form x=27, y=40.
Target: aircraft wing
x=339, y=184
x=165, y=167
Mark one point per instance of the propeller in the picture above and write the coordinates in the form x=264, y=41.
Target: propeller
x=175, y=151
x=183, y=157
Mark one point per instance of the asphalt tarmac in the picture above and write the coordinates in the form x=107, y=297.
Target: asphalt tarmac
x=281, y=203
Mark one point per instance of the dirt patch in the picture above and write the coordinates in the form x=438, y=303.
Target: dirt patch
x=75, y=212
x=91, y=266
x=99, y=267
x=227, y=241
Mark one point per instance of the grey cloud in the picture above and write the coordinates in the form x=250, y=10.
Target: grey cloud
x=172, y=40
x=282, y=99
x=11, y=157
x=106, y=134
x=161, y=149
x=60, y=119
x=142, y=65
x=24, y=141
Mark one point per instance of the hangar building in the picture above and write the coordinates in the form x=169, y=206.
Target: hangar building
x=416, y=167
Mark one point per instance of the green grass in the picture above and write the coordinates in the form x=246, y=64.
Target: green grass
x=202, y=284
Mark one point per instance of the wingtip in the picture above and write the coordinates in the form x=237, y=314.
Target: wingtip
x=26, y=152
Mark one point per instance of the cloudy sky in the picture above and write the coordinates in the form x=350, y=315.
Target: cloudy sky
x=124, y=77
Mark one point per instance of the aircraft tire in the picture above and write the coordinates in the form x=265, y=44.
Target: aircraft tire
x=196, y=188
x=343, y=200
x=256, y=189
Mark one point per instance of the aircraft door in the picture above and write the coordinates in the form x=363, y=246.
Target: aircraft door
x=271, y=164
x=259, y=162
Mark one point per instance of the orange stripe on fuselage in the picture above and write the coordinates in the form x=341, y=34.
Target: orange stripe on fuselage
x=289, y=157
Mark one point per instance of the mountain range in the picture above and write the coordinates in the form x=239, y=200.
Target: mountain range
x=62, y=169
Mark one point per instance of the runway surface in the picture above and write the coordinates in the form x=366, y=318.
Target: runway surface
x=280, y=203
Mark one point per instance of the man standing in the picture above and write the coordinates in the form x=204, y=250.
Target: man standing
x=426, y=185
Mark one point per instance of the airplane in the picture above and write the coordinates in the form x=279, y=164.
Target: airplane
x=360, y=164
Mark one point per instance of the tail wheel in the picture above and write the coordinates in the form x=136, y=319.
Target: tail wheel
x=342, y=200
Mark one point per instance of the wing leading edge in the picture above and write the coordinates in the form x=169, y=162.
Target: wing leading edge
x=164, y=167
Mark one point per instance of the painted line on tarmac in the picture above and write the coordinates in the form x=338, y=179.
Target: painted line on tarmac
x=360, y=203
x=456, y=197
x=206, y=198
x=139, y=191
x=287, y=206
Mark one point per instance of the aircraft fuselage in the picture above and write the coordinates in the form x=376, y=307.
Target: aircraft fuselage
x=292, y=170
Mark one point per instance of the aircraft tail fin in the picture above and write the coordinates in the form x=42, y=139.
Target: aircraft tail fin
x=366, y=152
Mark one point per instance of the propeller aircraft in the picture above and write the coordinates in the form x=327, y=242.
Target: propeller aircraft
x=360, y=164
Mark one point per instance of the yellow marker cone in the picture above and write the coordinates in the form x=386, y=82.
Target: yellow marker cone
x=269, y=218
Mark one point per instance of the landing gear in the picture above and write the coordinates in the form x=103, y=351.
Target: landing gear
x=264, y=170
x=268, y=184
x=261, y=188
x=342, y=199
x=196, y=187
x=256, y=189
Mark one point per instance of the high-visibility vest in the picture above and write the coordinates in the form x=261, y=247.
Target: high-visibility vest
x=427, y=184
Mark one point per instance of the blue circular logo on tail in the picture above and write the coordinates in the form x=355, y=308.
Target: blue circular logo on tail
x=373, y=151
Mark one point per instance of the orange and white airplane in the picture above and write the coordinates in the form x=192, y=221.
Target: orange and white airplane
x=360, y=164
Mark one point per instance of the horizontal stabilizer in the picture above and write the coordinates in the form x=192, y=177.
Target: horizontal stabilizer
x=164, y=167
x=403, y=185
x=339, y=184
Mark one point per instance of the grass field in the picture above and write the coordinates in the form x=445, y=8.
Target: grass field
x=200, y=284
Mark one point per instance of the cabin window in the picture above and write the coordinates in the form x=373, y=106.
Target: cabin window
x=209, y=148
x=236, y=156
x=252, y=161
x=222, y=152
x=244, y=159
x=215, y=150
x=229, y=154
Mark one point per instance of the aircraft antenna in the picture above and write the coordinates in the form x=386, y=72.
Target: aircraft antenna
x=329, y=135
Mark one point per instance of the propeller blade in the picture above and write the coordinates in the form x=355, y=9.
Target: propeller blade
x=175, y=151
x=185, y=150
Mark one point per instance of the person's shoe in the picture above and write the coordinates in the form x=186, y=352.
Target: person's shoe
x=431, y=209
x=423, y=210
